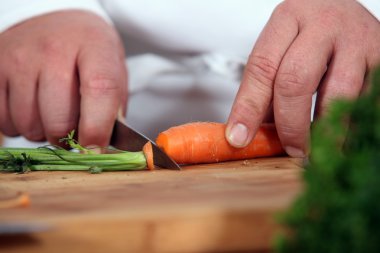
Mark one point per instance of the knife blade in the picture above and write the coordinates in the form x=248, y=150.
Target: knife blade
x=12, y=228
x=126, y=138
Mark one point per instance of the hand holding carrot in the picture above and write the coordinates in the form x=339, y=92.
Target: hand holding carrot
x=205, y=142
x=61, y=71
x=307, y=46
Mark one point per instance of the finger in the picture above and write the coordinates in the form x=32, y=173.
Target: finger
x=256, y=90
x=298, y=77
x=6, y=124
x=344, y=79
x=102, y=88
x=23, y=103
x=373, y=52
x=59, y=96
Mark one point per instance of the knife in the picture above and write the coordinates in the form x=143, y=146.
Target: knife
x=12, y=228
x=126, y=138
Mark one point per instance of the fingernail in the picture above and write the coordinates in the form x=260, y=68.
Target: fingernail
x=294, y=152
x=238, y=135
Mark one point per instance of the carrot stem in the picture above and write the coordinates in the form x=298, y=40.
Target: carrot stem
x=22, y=160
x=55, y=158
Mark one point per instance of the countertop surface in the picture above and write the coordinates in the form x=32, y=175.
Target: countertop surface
x=225, y=207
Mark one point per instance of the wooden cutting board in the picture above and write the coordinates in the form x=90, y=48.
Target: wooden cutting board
x=225, y=207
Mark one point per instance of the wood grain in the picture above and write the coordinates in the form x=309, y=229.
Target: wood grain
x=226, y=207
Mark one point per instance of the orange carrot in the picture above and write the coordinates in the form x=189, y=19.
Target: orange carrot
x=205, y=142
x=148, y=152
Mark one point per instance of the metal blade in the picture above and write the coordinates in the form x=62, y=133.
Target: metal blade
x=126, y=138
x=12, y=228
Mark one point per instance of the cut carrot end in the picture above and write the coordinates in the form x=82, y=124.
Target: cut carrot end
x=148, y=152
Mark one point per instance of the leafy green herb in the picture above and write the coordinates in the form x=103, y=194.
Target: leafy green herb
x=21, y=160
x=339, y=210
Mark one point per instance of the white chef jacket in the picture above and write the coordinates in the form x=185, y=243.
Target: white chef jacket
x=184, y=57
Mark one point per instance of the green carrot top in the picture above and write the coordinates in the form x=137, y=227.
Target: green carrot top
x=49, y=158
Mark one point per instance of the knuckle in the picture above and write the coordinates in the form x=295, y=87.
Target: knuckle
x=290, y=83
x=287, y=8
x=59, y=128
x=34, y=135
x=283, y=8
x=262, y=68
x=51, y=46
x=8, y=129
x=17, y=56
x=30, y=128
x=102, y=34
x=290, y=132
x=94, y=135
x=331, y=17
x=248, y=108
x=97, y=33
x=101, y=86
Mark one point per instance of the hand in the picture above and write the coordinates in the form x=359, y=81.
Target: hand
x=306, y=46
x=58, y=72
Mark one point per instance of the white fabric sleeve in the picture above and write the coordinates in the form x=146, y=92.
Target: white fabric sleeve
x=16, y=11
x=373, y=6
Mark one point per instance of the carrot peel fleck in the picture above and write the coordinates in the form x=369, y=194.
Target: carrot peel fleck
x=21, y=200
